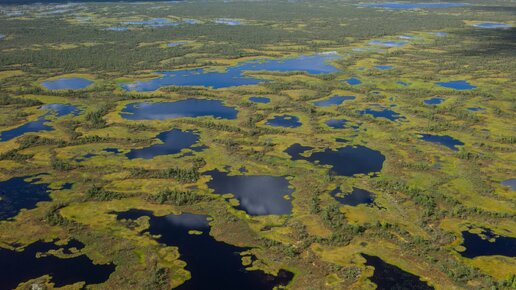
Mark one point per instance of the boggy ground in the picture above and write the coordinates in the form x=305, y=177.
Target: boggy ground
x=425, y=194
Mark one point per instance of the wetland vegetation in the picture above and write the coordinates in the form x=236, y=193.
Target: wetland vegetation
x=257, y=145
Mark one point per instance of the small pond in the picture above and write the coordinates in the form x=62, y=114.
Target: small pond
x=444, y=140
x=179, y=109
x=511, y=183
x=388, y=277
x=384, y=67
x=67, y=84
x=212, y=264
x=260, y=100
x=492, y=25
x=336, y=123
x=353, y=81
x=457, y=85
x=333, y=101
x=412, y=5
x=382, y=113
x=433, y=101
x=21, y=266
x=388, y=43
x=344, y=161
x=258, y=195
x=174, y=141
x=355, y=197
x=286, y=121
x=228, y=21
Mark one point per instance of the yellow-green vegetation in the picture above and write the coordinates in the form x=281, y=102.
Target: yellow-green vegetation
x=425, y=196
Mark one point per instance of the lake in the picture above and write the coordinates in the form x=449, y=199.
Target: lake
x=21, y=193
x=174, y=141
x=353, y=81
x=388, y=277
x=286, y=121
x=40, y=124
x=492, y=25
x=336, y=123
x=260, y=100
x=356, y=197
x=433, y=101
x=344, y=161
x=477, y=246
x=444, y=140
x=21, y=266
x=258, y=195
x=212, y=264
x=189, y=108
x=412, y=5
x=333, y=101
x=457, y=85
x=235, y=75
x=67, y=84
x=387, y=43
x=382, y=113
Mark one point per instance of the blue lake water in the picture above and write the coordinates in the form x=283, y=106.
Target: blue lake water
x=286, y=121
x=353, y=81
x=336, y=123
x=261, y=100
x=228, y=21
x=235, y=75
x=212, y=264
x=382, y=113
x=17, y=193
x=21, y=266
x=388, y=277
x=457, y=85
x=118, y=28
x=159, y=22
x=67, y=84
x=440, y=34
x=353, y=198
x=344, y=161
x=174, y=44
x=412, y=5
x=447, y=141
x=384, y=67
x=511, y=183
x=2, y=36
x=333, y=101
x=40, y=125
x=478, y=246
x=388, y=43
x=178, y=109
x=174, y=141
x=433, y=101
x=492, y=25
x=258, y=195
x=402, y=84
x=475, y=109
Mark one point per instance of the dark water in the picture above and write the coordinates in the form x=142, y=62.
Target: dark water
x=67, y=84
x=286, y=121
x=333, y=101
x=345, y=161
x=445, y=140
x=402, y=84
x=117, y=28
x=492, y=25
x=174, y=44
x=336, y=123
x=212, y=264
x=227, y=21
x=383, y=113
x=39, y=125
x=456, y=85
x=179, y=109
x=112, y=150
x=384, y=67
x=390, y=277
x=353, y=198
x=235, y=75
x=412, y=5
x=475, y=109
x=477, y=246
x=353, y=81
x=16, y=193
x=511, y=183
x=21, y=266
x=261, y=100
x=258, y=195
x=434, y=101
x=173, y=142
